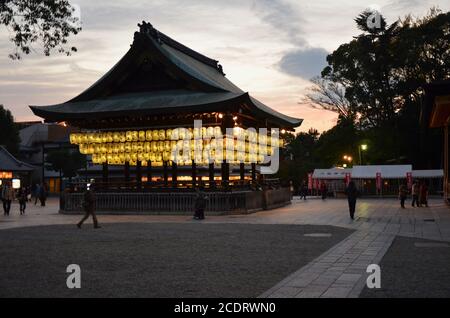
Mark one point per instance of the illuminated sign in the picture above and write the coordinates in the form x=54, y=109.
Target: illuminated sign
x=6, y=175
x=16, y=183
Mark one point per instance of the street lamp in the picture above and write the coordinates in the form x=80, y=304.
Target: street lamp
x=362, y=147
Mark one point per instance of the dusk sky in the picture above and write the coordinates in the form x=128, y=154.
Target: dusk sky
x=268, y=48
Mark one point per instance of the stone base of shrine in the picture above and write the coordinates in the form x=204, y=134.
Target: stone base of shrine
x=218, y=203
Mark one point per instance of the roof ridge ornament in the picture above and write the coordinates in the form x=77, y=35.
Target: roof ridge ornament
x=220, y=68
x=147, y=28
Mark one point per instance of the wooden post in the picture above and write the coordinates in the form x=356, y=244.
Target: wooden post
x=253, y=172
x=446, y=163
x=212, y=183
x=139, y=175
x=194, y=173
x=127, y=172
x=105, y=175
x=174, y=174
x=149, y=173
x=225, y=171
x=166, y=179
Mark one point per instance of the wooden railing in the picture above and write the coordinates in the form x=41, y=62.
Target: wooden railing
x=177, y=203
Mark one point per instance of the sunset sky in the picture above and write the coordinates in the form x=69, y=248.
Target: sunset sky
x=268, y=48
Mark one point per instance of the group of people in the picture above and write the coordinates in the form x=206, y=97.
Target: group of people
x=40, y=192
x=303, y=191
x=8, y=195
x=23, y=195
x=419, y=192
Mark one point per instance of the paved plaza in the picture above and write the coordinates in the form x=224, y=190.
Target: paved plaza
x=319, y=251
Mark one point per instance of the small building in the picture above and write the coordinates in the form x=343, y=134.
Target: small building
x=37, y=140
x=12, y=169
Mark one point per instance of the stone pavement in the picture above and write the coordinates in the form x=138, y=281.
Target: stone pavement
x=339, y=272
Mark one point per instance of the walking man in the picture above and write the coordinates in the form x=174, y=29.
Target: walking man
x=352, y=193
x=89, y=207
x=22, y=196
x=415, y=194
x=43, y=194
x=402, y=193
x=36, y=192
x=304, y=191
x=7, y=198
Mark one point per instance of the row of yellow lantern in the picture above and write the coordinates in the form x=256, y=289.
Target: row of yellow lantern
x=157, y=159
x=167, y=135
x=169, y=146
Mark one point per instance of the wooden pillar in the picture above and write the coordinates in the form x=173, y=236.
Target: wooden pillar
x=212, y=183
x=253, y=172
x=225, y=171
x=242, y=171
x=194, y=173
x=446, y=163
x=166, y=179
x=149, y=173
x=139, y=175
x=127, y=173
x=174, y=174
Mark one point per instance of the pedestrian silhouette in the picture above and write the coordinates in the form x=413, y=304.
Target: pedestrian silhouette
x=89, y=206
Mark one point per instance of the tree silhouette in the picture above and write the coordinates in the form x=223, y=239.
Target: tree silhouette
x=47, y=22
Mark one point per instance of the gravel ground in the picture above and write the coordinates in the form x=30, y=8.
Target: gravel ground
x=157, y=260
x=413, y=272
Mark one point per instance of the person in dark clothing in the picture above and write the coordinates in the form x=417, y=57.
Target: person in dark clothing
x=415, y=194
x=36, y=192
x=304, y=191
x=200, y=205
x=323, y=190
x=352, y=194
x=22, y=196
x=89, y=207
x=7, y=196
x=402, y=194
x=423, y=194
x=43, y=194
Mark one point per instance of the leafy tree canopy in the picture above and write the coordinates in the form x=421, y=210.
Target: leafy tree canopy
x=9, y=136
x=47, y=22
x=66, y=161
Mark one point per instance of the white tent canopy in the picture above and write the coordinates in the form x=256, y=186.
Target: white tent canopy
x=386, y=171
x=370, y=172
x=333, y=173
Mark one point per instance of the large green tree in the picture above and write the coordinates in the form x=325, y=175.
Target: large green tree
x=66, y=161
x=46, y=22
x=9, y=134
x=383, y=71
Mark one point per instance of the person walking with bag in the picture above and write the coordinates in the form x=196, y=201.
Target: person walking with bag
x=89, y=207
